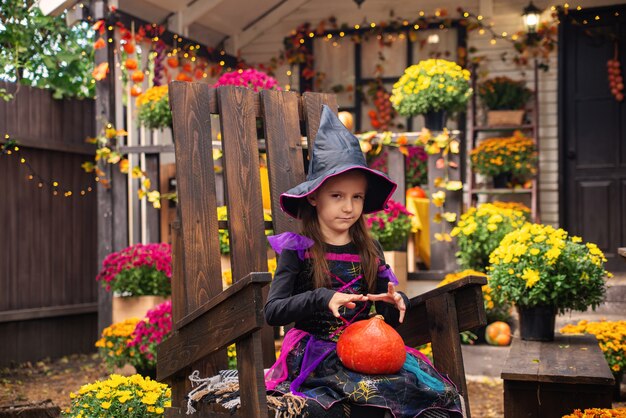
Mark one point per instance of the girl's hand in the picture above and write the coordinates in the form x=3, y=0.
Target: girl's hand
x=344, y=299
x=391, y=297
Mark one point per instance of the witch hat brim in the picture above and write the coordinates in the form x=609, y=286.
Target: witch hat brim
x=336, y=151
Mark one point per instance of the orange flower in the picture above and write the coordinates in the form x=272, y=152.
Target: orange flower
x=101, y=71
x=99, y=44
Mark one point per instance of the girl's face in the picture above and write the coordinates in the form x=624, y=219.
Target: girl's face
x=339, y=204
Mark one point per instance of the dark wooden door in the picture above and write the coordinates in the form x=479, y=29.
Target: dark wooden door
x=592, y=130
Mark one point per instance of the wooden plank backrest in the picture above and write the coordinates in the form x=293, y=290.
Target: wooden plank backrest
x=205, y=317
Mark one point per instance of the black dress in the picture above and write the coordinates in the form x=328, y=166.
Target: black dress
x=309, y=366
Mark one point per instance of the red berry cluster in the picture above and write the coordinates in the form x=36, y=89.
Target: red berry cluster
x=380, y=118
x=616, y=81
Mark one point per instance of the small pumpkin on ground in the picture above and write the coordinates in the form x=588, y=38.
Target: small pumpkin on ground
x=498, y=333
x=371, y=347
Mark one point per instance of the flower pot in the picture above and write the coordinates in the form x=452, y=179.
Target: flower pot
x=397, y=260
x=435, y=121
x=125, y=307
x=147, y=371
x=537, y=322
x=502, y=180
x=505, y=117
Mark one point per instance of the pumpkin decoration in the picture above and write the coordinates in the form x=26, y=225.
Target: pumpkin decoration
x=135, y=91
x=416, y=192
x=371, y=347
x=346, y=119
x=137, y=76
x=130, y=64
x=129, y=47
x=498, y=333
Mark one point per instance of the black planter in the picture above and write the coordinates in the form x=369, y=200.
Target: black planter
x=435, y=121
x=502, y=180
x=617, y=392
x=536, y=323
x=147, y=372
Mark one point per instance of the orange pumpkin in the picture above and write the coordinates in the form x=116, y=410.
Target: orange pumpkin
x=416, y=192
x=172, y=62
x=371, y=347
x=137, y=76
x=498, y=333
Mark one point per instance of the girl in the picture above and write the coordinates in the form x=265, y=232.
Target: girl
x=328, y=278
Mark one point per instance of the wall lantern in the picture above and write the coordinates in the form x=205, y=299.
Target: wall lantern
x=531, y=17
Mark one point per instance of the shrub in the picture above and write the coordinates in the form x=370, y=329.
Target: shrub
x=138, y=270
x=120, y=396
x=391, y=226
x=503, y=93
x=480, y=230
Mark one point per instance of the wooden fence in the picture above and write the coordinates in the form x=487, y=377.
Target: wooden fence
x=48, y=242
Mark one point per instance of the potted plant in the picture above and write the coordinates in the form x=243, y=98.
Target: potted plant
x=507, y=160
x=543, y=270
x=153, y=108
x=433, y=88
x=391, y=228
x=251, y=78
x=504, y=99
x=153, y=329
x=480, y=230
x=120, y=396
x=140, y=277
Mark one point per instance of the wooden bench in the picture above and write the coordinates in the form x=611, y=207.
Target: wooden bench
x=207, y=319
x=552, y=379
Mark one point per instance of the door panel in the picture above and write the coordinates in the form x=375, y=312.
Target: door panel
x=592, y=130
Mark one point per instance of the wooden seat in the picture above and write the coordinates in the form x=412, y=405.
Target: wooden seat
x=552, y=379
x=207, y=319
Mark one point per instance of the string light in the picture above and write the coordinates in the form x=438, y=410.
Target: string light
x=10, y=148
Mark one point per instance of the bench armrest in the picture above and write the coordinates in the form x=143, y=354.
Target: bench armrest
x=234, y=313
x=468, y=298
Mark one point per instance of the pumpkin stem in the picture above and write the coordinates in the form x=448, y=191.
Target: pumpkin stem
x=379, y=317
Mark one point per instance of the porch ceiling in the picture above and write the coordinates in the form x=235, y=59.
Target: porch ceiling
x=241, y=22
x=213, y=21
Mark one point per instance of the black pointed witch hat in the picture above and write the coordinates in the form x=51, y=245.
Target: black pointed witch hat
x=335, y=151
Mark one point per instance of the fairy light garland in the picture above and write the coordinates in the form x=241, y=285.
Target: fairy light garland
x=11, y=149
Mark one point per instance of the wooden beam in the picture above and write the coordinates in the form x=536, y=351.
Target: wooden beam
x=270, y=19
x=48, y=312
x=194, y=11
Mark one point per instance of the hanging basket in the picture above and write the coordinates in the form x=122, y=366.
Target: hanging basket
x=504, y=117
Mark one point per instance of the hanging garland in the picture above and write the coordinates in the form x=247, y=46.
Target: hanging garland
x=10, y=148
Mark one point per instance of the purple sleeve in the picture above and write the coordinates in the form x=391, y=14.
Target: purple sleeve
x=290, y=241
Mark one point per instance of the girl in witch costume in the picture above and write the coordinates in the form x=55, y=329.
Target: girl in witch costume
x=328, y=278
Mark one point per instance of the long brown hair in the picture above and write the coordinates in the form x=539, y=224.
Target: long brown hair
x=358, y=234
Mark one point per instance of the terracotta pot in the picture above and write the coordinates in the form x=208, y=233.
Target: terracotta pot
x=504, y=117
x=397, y=260
x=134, y=306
